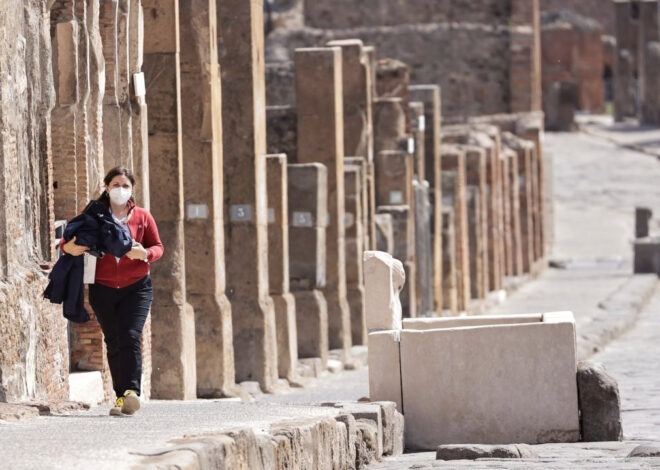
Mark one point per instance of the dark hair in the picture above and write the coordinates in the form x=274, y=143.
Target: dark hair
x=116, y=171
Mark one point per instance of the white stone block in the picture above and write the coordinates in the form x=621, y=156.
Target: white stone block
x=491, y=384
x=384, y=278
x=86, y=387
x=467, y=321
x=385, y=367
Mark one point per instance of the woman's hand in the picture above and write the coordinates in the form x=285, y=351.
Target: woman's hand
x=70, y=248
x=137, y=252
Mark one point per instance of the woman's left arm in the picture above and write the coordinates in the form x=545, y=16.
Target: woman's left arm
x=151, y=240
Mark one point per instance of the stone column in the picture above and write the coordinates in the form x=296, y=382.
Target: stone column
x=449, y=278
x=278, y=266
x=394, y=187
x=404, y=251
x=418, y=130
x=475, y=161
x=354, y=250
x=423, y=252
x=366, y=179
x=506, y=157
x=389, y=125
x=384, y=235
x=321, y=139
x=453, y=160
x=430, y=96
x=139, y=110
x=649, y=31
x=516, y=247
x=241, y=44
x=358, y=121
x=308, y=210
x=523, y=186
x=173, y=323
x=203, y=188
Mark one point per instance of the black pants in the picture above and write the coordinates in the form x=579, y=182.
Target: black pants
x=122, y=314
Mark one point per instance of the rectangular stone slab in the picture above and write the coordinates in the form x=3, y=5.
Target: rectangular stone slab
x=515, y=383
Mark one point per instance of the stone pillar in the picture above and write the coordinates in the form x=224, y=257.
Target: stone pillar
x=278, y=266
x=423, y=253
x=394, y=187
x=475, y=242
x=358, y=120
x=651, y=100
x=523, y=186
x=418, y=130
x=403, y=251
x=384, y=235
x=453, y=160
x=389, y=125
x=506, y=158
x=241, y=45
x=308, y=210
x=367, y=177
x=649, y=31
x=392, y=81
x=514, y=227
x=139, y=110
x=203, y=188
x=488, y=138
x=321, y=139
x=475, y=162
x=354, y=250
x=173, y=323
x=643, y=216
x=624, y=60
x=429, y=95
x=449, y=277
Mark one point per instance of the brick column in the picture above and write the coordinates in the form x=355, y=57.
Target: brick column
x=358, y=121
x=241, y=43
x=173, y=324
x=203, y=189
x=453, y=160
x=278, y=266
x=354, y=249
x=321, y=139
x=430, y=96
x=308, y=210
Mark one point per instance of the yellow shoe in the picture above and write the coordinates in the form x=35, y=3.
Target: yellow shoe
x=130, y=402
x=116, y=410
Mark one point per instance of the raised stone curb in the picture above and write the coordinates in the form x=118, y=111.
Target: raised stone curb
x=360, y=434
x=620, y=311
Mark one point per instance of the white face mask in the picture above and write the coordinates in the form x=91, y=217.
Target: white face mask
x=120, y=196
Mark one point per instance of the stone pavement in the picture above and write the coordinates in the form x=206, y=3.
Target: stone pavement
x=629, y=133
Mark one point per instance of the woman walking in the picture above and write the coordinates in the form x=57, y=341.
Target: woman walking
x=121, y=294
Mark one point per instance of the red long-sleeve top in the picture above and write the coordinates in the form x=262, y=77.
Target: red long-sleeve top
x=126, y=271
